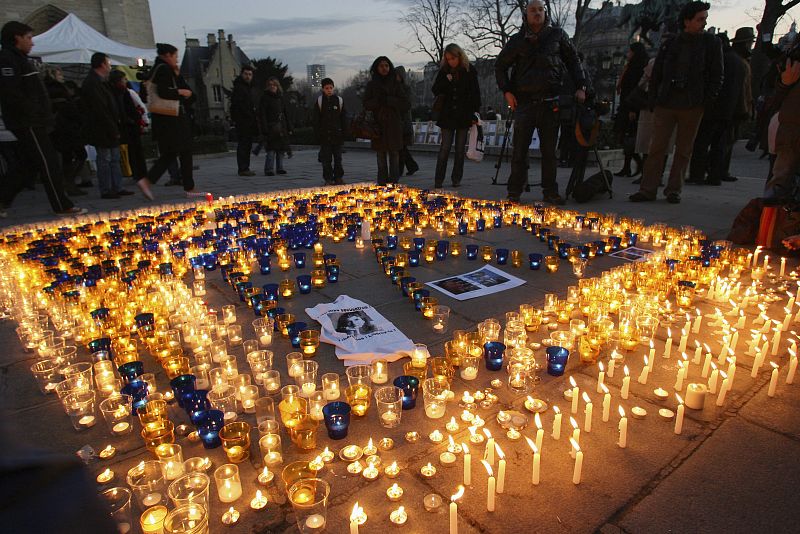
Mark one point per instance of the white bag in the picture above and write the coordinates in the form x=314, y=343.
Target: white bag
x=475, y=143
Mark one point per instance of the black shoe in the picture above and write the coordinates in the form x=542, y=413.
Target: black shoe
x=693, y=181
x=75, y=191
x=674, y=198
x=173, y=183
x=87, y=183
x=623, y=172
x=124, y=192
x=269, y=173
x=456, y=184
x=640, y=197
x=637, y=181
x=512, y=197
x=729, y=179
x=554, y=198
x=281, y=171
x=438, y=186
x=247, y=172
x=338, y=181
x=109, y=196
x=411, y=171
x=712, y=182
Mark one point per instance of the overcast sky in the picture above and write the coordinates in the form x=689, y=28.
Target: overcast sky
x=345, y=35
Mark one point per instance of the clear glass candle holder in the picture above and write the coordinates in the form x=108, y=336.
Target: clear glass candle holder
x=46, y=373
x=359, y=374
x=306, y=379
x=236, y=441
x=79, y=406
x=229, y=483
x=147, y=481
x=234, y=335
x=309, y=498
x=379, y=373
x=330, y=386
x=271, y=450
x=264, y=328
x=116, y=412
x=118, y=503
x=223, y=398
x=271, y=382
x=191, y=518
x=249, y=396
x=389, y=403
x=434, y=391
x=469, y=367
x=171, y=457
x=294, y=364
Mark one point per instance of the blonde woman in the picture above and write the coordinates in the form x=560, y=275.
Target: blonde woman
x=275, y=127
x=458, y=100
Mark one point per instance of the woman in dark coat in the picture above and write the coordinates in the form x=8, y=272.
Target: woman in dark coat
x=173, y=134
x=457, y=84
x=131, y=123
x=67, y=135
x=388, y=100
x=275, y=127
x=629, y=105
x=406, y=159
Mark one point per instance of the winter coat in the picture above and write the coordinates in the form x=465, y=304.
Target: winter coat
x=130, y=118
x=68, y=132
x=389, y=101
x=462, y=98
x=329, y=119
x=273, y=121
x=173, y=134
x=101, y=116
x=730, y=93
x=244, y=99
x=687, y=72
x=536, y=62
x=23, y=97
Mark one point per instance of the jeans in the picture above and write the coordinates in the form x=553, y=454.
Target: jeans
x=331, y=173
x=528, y=117
x=388, y=167
x=243, y=152
x=460, y=136
x=273, y=159
x=166, y=159
x=665, y=120
x=109, y=171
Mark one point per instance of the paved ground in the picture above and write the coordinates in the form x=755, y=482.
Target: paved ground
x=733, y=469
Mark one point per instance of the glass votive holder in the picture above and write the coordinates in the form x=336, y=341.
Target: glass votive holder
x=309, y=341
x=489, y=330
x=304, y=284
x=441, y=366
x=518, y=381
x=116, y=411
x=469, y=367
x=379, y=373
x=264, y=409
x=260, y=362
x=209, y=423
x=358, y=397
x=486, y=253
x=440, y=319
x=234, y=335
x=282, y=322
x=418, y=295
x=472, y=252
x=248, y=396
x=318, y=278
x=493, y=353
x=294, y=364
x=337, y=419
x=191, y=488
x=551, y=263
x=187, y=519
x=287, y=289
x=389, y=403
x=118, y=504
x=264, y=328
x=556, y=360
x=171, y=457
x=419, y=356
x=229, y=483
x=199, y=288
x=358, y=374
x=435, y=391
x=427, y=305
x=307, y=378
x=309, y=498
x=236, y=441
x=147, y=481
x=271, y=382
x=155, y=410
x=223, y=398
x=268, y=426
x=78, y=370
x=304, y=432
x=579, y=266
x=292, y=405
x=501, y=256
x=79, y=406
x=156, y=434
x=46, y=373
x=271, y=450
x=516, y=258
x=410, y=387
x=316, y=401
x=330, y=386
x=131, y=370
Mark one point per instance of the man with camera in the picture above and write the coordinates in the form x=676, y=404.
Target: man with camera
x=536, y=57
x=787, y=137
x=687, y=75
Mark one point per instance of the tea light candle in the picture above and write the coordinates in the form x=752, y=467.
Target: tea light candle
x=398, y=516
x=447, y=459
x=152, y=520
x=107, y=452
x=452, y=426
x=370, y=473
x=105, y=477
x=436, y=436
x=394, y=493
x=428, y=471
x=266, y=476
x=259, y=501
x=230, y=517
x=87, y=421
x=392, y=470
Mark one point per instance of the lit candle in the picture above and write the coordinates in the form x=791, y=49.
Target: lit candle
x=575, y=394
x=537, y=460
x=259, y=501
x=668, y=344
x=501, y=469
x=606, y=404
x=467, y=465
x=783, y=267
x=539, y=430
x=490, y=487
x=706, y=365
x=712, y=382
x=698, y=352
x=645, y=372
x=576, y=433
x=792, y=369
x=454, y=510
x=355, y=517
x=626, y=383
x=682, y=370
x=152, y=520
x=488, y=453
x=106, y=476
x=773, y=381
x=231, y=516
x=557, y=423
x=723, y=389
x=652, y=354
x=601, y=376
x=697, y=322
x=623, y=429
x=684, y=340
x=679, y=415
x=576, y=472
x=587, y=420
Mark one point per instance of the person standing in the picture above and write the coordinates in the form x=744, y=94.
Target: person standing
x=330, y=124
x=787, y=138
x=686, y=78
x=130, y=123
x=275, y=127
x=742, y=45
x=172, y=133
x=406, y=160
x=102, y=126
x=457, y=84
x=67, y=136
x=627, y=114
x=27, y=114
x=536, y=57
x=244, y=116
x=388, y=100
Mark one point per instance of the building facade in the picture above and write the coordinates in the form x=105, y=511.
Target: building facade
x=126, y=21
x=314, y=76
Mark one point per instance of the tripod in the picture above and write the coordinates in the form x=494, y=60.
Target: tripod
x=503, y=148
x=579, y=170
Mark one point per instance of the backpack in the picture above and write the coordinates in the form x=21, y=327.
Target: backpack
x=341, y=102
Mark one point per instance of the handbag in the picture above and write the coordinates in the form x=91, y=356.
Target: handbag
x=364, y=126
x=124, y=160
x=158, y=105
x=475, y=143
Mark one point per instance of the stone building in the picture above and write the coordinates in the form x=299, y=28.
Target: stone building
x=210, y=71
x=126, y=21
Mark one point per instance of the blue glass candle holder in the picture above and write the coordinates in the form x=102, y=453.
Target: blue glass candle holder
x=404, y=284
x=480, y=225
x=442, y=249
x=601, y=248
x=337, y=419
x=102, y=343
x=552, y=241
x=165, y=269
x=543, y=234
x=264, y=264
x=209, y=423
x=493, y=353
x=271, y=291
x=195, y=403
x=274, y=312
x=472, y=252
x=498, y=221
x=535, y=261
x=616, y=242
x=182, y=384
x=241, y=289
x=462, y=227
x=563, y=250
x=526, y=221
x=584, y=251
x=294, y=330
x=391, y=242
x=394, y=274
x=328, y=258
x=144, y=319
x=332, y=273
x=633, y=238
x=129, y=371
x=419, y=243
x=304, y=284
x=501, y=255
x=556, y=360
x=300, y=260
x=410, y=386
x=418, y=295
x=137, y=389
x=413, y=258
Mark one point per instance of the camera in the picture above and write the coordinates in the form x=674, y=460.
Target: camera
x=143, y=70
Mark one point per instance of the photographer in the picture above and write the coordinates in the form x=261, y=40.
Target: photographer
x=787, y=138
x=687, y=75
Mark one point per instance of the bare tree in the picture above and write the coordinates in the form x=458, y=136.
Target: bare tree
x=774, y=10
x=489, y=24
x=433, y=23
x=583, y=16
x=559, y=12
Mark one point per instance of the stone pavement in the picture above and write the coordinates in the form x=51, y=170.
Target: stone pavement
x=733, y=469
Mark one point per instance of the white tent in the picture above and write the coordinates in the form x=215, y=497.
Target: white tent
x=74, y=41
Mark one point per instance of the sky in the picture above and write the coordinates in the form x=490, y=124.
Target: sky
x=345, y=35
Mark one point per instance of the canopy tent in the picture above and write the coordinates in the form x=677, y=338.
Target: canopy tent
x=74, y=41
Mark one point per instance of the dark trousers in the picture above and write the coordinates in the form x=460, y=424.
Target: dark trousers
x=243, y=152
x=708, y=153
x=136, y=156
x=530, y=116
x=164, y=161
x=460, y=137
x=331, y=172
x=407, y=162
x=388, y=167
x=38, y=154
x=12, y=176
x=72, y=161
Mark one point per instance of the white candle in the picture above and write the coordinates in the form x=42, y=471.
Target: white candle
x=576, y=472
x=698, y=351
x=587, y=420
x=623, y=429
x=712, y=382
x=612, y=363
x=354, y=516
x=645, y=372
x=454, y=510
x=734, y=341
x=668, y=344
x=679, y=415
x=501, y=469
x=490, y=487
x=684, y=339
x=773, y=381
x=467, y=465
x=575, y=395
x=606, y=404
x=697, y=322
x=652, y=354
x=601, y=377
x=626, y=383
x=576, y=431
x=731, y=369
x=723, y=390
x=557, y=423
x=539, y=431
x=488, y=453
x=682, y=371
x=783, y=267
x=706, y=366
x=537, y=459
x=792, y=370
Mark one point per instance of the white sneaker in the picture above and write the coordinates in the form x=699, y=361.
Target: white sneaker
x=193, y=193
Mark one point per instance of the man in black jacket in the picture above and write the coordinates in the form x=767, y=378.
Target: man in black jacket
x=330, y=123
x=536, y=56
x=102, y=125
x=243, y=114
x=27, y=114
x=687, y=75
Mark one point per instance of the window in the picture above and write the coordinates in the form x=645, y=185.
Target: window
x=217, y=94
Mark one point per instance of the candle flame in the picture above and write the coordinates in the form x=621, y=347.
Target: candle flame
x=621, y=411
x=259, y=495
x=572, y=381
x=651, y=343
x=488, y=467
x=556, y=409
x=645, y=363
x=572, y=422
x=575, y=445
x=604, y=388
x=586, y=398
x=723, y=374
x=500, y=453
x=627, y=372
x=487, y=433
x=774, y=365
x=356, y=513
x=472, y=430
x=669, y=332
x=450, y=439
x=457, y=495
x=713, y=366
x=537, y=420
x=463, y=447
x=680, y=399
x=600, y=365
